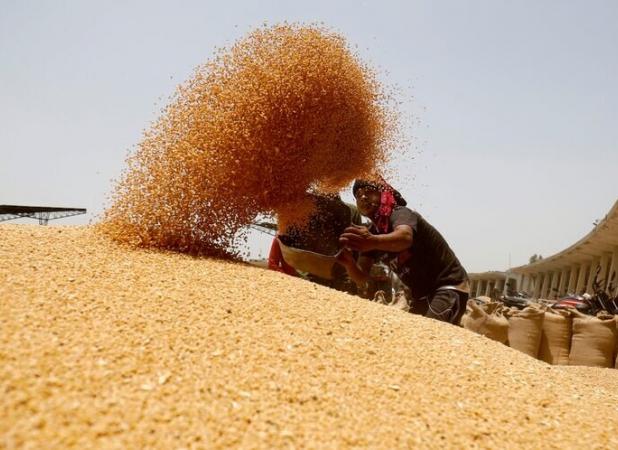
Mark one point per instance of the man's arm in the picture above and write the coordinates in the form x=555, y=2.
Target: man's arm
x=357, y=270
x=361, y=239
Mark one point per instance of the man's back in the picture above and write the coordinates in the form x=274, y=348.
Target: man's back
x=430, y=263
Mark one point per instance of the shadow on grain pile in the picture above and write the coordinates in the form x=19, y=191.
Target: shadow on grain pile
x=102, y=346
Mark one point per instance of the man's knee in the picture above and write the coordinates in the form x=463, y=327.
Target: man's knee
x=446, y=305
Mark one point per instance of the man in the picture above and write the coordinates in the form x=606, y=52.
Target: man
x=415, y=250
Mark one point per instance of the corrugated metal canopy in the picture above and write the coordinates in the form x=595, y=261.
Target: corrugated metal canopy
x=601, y=240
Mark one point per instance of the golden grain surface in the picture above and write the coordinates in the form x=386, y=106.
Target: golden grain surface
x=103, y=346
x=286, y=108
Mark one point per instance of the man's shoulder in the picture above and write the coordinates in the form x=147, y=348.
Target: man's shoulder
x=403, y=215
x=405, y=210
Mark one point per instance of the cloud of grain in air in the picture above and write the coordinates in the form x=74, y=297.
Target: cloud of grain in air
x=285, y=109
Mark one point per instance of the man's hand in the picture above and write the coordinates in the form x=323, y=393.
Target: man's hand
x=357, y=271
x=345, y=258
x=357, y=238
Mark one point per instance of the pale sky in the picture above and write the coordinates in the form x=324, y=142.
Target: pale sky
x=514, y=104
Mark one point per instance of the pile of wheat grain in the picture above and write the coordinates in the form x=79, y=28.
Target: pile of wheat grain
x=286, y=108
x=102, y=346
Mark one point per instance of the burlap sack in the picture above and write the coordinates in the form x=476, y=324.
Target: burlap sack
x=525, y=330
x=593, y=341
x=508, y=311
x=400, y=302
x=486, y=320
x=556, y=337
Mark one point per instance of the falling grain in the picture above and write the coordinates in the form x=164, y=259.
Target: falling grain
x=285, y=109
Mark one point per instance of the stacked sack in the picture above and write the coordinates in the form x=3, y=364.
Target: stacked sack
x=594, y=341
x=487, y=320
x=557, y=337
x=526, y=330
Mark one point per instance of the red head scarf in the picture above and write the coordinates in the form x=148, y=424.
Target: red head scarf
x=387, y=203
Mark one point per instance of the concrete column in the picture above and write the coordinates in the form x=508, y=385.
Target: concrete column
x=555, y=277
x=546, y=283
x=603, y=274
x=488, y=288
x=538, y=283
x=524, y=279
x=593, y=271
x=613, y=268
x=581, y=278
x=479, y=283
x=545, y=290
x=563, y=282
x=534, y=282
x=573, y=278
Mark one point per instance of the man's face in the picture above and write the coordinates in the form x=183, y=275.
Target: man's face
x=368, y=201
